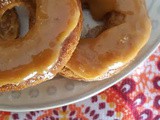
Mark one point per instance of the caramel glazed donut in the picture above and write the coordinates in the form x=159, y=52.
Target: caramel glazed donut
x=55, y=27
x=127, y=29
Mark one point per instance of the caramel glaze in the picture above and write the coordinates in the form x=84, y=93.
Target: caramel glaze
x=116, y=46
x=38, y=51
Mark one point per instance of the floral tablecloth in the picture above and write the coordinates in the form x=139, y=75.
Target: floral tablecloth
x=137, y=97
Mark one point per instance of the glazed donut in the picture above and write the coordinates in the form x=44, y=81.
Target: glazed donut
x=114, y=48
x=46, y=48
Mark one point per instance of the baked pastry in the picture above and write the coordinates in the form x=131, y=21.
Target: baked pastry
x=127, y=29
x=47, y=47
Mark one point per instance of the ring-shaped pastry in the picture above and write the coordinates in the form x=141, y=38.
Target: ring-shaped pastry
x=113, y=49
x=45, y=49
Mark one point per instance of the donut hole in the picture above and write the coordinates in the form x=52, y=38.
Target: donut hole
x=92, y=28
x=9, y=26
x=16, y=22
x=24, y=20
x=23, y=16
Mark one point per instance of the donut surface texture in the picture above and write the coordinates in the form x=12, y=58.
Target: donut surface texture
x=47, y=47
x=128, y=29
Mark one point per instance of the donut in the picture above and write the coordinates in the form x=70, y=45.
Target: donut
x=9, y=28
x=45, y=49
x=126, y=30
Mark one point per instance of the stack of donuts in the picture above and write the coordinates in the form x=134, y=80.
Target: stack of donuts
x=54, y=43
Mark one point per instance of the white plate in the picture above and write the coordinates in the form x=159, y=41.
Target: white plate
x=61, y=91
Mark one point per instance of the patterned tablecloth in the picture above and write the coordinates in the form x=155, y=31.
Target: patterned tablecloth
x=137, y=97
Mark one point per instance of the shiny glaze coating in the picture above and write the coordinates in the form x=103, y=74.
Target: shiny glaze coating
x=34, y=56
x=115, y=47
